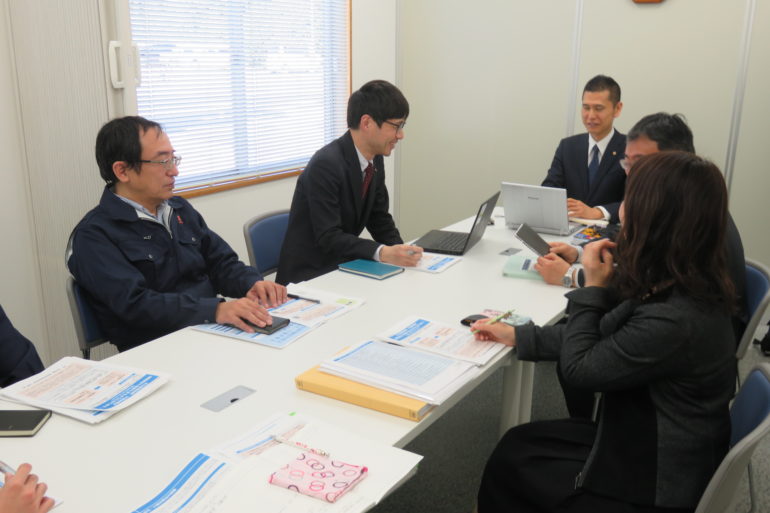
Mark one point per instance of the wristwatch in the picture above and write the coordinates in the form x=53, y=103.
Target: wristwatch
x=568, y=280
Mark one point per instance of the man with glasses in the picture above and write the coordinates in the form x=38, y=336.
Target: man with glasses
x=588, y=165
x=342, y=191
x=146, y=259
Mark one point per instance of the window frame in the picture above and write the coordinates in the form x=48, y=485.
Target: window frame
x=127, y=68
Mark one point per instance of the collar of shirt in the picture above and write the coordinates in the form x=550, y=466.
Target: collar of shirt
x=601, y=144
x=362, y=161
x=163, y=217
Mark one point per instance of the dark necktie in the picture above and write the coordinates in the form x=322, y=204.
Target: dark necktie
x=368, y=174
x=593, y=166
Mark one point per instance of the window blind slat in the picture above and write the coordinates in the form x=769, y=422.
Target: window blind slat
x=242, y=87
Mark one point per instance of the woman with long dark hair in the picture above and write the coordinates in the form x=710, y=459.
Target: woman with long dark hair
x=651, y=331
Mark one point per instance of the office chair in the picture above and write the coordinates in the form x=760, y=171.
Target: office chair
x=750, y=419
x=264, y=238
x=86, y=326
x=757, y=299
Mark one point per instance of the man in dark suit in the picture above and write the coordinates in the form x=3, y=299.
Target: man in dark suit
x=588, y=165
x=342, y=191
x=653, y=133
x=18, y=357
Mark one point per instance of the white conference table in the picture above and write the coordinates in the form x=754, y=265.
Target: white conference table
x=123, y=462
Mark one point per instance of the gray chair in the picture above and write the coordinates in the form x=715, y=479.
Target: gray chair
x=750, y=419
x=264, y=237
x=86, y=326
x=757, y=299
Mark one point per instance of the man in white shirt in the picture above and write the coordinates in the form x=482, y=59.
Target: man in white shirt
x=588, y=165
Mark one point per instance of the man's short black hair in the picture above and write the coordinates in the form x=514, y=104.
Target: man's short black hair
x=118, y=140
x=604, y=83
x=378, y=98
x=670, y=131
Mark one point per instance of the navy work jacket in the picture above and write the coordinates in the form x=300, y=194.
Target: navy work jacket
x=144, y=282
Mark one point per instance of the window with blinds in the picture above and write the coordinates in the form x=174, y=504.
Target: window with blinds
x=242, y=87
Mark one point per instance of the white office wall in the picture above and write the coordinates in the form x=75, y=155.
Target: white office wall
x=19, y=278
x=489, y=82
x=668, y=58
x=750, y=190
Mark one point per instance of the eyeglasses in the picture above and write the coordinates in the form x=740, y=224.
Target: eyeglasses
x=627, y=162
x=167, y=164
x=397, y=126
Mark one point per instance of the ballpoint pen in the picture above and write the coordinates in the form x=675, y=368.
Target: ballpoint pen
x=497, y=319
x=295, y=296
x=6, y=469
x=319, y=452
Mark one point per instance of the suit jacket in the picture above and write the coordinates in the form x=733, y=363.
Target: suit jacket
x=18, y=357
x=666, y=368
x=569, y=170
x=328, y=214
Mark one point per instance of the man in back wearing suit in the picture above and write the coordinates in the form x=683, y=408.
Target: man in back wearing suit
x=342, y=191
x=588, y=165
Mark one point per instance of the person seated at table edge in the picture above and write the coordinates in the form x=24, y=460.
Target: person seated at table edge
x=342, y=191
x=146, y=259
x=588, y=165
x=18, y=357
x=651, y=134
x=653, y=335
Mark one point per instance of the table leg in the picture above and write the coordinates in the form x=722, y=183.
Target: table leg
x=518, y=378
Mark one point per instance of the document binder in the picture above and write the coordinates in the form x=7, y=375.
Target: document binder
x=318, y=382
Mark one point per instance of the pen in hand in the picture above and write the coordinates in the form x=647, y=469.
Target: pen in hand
x=497, y=318
x=6, y=469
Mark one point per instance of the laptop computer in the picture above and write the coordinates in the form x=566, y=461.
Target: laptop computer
x=542, y=208
x=457, y=243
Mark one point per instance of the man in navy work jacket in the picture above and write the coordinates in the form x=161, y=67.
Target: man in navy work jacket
x=588, y=165
x=342, y=191
x=18, y=357
x=146, y=259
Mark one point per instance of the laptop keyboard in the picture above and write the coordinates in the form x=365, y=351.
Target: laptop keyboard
x=453, y=241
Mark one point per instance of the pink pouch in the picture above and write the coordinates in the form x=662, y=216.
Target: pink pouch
x=318, y=476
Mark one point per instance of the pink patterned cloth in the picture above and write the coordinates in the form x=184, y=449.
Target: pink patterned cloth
x=318, y=476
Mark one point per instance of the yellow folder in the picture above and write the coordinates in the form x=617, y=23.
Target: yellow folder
x=318, y=382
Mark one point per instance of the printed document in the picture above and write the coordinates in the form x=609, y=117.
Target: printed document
x=435, y=263
x=429, y=377
x=308, y=309
x=436, y=337
x=86, y=390
x=233, y=477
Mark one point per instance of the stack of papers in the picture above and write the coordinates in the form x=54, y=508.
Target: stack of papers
x=440, y=338
x=233, y=477
x=306, y=309
x=429, y=377
x=85, y=390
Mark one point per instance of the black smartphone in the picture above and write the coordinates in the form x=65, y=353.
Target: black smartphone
x=278, y=323
x=532, y=240
x=467, y=321
x=22, y=422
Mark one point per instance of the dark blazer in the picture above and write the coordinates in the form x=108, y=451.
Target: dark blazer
x=18, y=357
x=569, y=170
x=328, y=215
x=666, y=367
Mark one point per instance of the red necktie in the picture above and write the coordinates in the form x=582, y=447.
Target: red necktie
x=368, y=174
